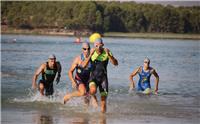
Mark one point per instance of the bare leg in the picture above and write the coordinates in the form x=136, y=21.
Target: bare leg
x=103, y=104
x=41, y=89
x=93, y=91
x=80, y=92
x=86, y=100
x=94, y=101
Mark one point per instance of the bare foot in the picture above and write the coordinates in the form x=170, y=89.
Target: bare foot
x=66, y=98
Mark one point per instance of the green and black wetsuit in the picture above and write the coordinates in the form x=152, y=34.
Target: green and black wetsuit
x=99, y=72
x=47, y=79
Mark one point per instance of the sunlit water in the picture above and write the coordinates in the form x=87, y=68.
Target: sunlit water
x=176, y=61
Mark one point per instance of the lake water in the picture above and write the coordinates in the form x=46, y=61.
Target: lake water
x=176, y=61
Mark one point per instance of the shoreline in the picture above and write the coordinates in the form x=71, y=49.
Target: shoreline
x=54, y=32
x=154, y=35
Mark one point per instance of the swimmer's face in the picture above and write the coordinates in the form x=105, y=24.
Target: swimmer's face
x=85, y=48
x=99, y=47
x=146, y=64
x=52, y=61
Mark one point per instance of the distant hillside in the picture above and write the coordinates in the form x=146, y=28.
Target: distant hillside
x=101, y=16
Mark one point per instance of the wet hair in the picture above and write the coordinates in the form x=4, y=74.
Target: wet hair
x=147, y=60
x=85, y=43
x=52, y=56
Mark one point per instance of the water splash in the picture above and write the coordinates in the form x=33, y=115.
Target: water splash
x=57, y=98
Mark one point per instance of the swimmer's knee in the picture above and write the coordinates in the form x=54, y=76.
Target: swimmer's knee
x=82, y=93
x=93, y=90
x=92, y=87
x=92, y=84
x=41, y=86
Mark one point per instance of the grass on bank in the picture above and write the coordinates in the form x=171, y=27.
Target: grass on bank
x=108, y=34
x=154, y=35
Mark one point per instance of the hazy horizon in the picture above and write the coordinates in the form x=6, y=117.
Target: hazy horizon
x=168, y=2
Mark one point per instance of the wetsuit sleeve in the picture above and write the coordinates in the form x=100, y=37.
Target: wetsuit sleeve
x=59, y=68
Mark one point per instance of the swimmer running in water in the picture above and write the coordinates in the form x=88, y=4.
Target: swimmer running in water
x=49, y=70
x=83, y=67
x=144, y=73
x=99, y=78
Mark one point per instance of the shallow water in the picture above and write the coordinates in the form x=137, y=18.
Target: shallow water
x=176, y=61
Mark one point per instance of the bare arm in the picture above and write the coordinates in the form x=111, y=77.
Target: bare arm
x=86, y=61
x=132, y=84
x=71, y=70
x=157, y=80
x=37, y=73
x=112, y=59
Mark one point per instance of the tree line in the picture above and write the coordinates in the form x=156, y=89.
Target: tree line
x=100, y=16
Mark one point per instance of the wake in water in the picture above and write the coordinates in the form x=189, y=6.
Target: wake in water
x=56, y=98
x=34, y=96
x=120, y=102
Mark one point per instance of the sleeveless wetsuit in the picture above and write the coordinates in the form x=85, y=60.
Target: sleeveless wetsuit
x=47, y=79
x=83, y=74
x=99, y=72
x=144, y=81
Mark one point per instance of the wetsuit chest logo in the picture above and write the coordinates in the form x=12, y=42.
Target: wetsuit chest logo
x=145, y=76
x=79, y=70
x=144, y=79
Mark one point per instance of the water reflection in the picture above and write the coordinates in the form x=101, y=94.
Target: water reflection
x=45, y=119
x=79, y=120
x=101, y=119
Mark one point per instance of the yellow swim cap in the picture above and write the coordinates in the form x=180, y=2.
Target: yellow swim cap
x=94, y=36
